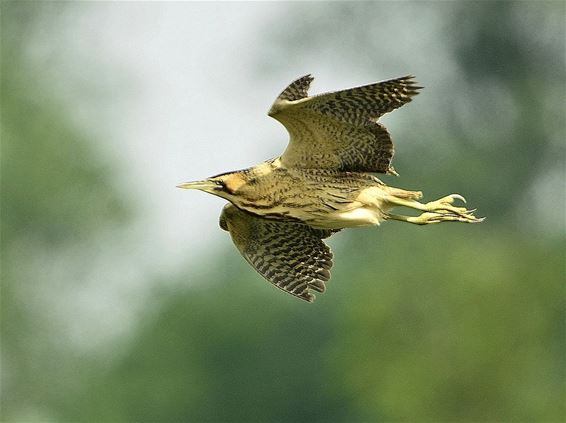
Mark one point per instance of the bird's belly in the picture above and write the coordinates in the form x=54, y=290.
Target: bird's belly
x=361, y=216
x=367, y=209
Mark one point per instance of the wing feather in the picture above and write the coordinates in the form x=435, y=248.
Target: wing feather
x=290, y=255
x=367, y=102
x=297, y=89
x=338, y=130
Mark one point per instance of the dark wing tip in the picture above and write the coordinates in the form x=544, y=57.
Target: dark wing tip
x=408, y=82
x=297, y=89
x=402, y=90
x=317, y=285
x=308, y=78
x=308, y=297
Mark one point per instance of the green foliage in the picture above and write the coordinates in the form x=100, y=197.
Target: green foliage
x=57, y=197
x=458, y=334
x=461, y=324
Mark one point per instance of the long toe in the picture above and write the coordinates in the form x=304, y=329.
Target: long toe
x=440, y=206
x=468, y=217
x=447, y=216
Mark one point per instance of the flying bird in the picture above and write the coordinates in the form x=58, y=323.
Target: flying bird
x=281, y=210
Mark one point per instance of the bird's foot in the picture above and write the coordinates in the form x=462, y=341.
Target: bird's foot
x=441, y=210
x=445, y=204
x=444, y=216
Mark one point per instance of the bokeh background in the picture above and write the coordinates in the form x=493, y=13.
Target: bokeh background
x=122, y=300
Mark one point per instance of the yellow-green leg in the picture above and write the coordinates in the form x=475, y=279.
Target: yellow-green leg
x=441, y=210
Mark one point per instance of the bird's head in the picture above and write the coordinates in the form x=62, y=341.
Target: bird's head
x=224, y=185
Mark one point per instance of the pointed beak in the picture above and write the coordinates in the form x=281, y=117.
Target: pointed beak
x=201, y=185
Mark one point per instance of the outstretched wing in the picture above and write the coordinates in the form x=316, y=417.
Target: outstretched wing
x=338, y=130
x=290, y=255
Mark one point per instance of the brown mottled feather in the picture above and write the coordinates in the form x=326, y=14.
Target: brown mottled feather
x=297, y=89
x=292, y=256
x=367, y=102
x=338, y=130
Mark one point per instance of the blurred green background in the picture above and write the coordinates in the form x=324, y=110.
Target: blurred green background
x=123, y=301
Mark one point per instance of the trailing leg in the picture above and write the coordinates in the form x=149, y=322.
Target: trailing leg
x=441, y=210
x=431, y=217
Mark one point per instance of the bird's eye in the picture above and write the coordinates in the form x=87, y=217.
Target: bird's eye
x=220, y=185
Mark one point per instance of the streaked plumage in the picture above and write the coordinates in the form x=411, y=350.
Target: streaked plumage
x=290, y=255
x=338, y=130
x=282, y=209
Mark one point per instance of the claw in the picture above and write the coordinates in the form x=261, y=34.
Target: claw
x=458, y=197
x=449, y=199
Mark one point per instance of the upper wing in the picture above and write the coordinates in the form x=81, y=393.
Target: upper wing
x=290, y=255
x=338, y=130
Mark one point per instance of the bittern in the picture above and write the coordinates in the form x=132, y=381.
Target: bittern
x=280, y=211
